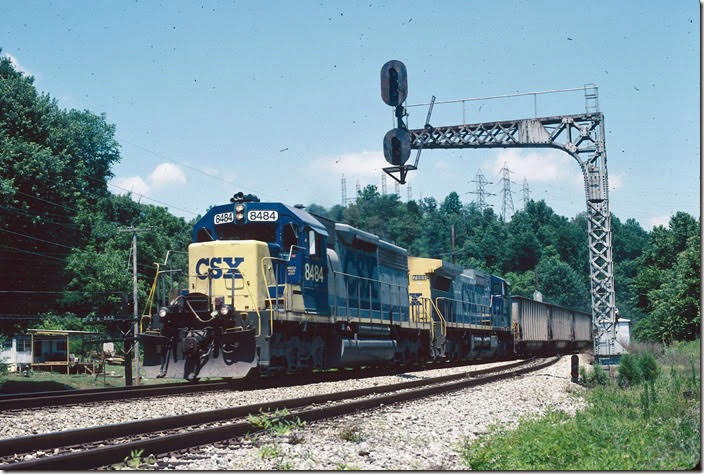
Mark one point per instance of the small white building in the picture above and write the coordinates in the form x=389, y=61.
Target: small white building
x=16, y=350
x=623, y=335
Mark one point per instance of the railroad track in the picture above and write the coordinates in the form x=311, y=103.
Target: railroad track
x=47, y=399
x=86, y=448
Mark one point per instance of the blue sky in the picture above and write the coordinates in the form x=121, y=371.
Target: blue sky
x=282, y=98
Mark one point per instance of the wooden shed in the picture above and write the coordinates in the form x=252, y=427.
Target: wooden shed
x=51, y=349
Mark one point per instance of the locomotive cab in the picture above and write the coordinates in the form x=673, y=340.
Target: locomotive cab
x=247, y=260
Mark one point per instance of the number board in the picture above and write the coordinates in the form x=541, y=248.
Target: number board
x=262, y=216
x=224, y=218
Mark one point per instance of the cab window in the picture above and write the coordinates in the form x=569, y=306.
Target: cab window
x=264, y=232
x=289, y=237
x=315, y=241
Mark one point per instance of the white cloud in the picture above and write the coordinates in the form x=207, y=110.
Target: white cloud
x=442, y=165
x=16, y=64
x=357, y=164
x=545, y=166
x=660, y=220
x=166, y=174
x=615, y=182
x=134, y=184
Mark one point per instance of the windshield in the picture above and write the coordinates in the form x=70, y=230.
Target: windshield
x=262, y=232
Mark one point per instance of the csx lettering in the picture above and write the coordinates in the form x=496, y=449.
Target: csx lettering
x=313, y=272
x=212, y=265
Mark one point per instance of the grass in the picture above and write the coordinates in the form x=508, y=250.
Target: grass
x=275, y=422
x=653, y=425
x=40, y=381
x=351, y=433
x=269, y=452
x=135, y=461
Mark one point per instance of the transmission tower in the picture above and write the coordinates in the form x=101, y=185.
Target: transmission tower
x=358, y=188
x=409, y=196
x=397, y=189
x=343, y=185
x=526, y=193
x=383, y=184
x=506, y=192
x=481, y=191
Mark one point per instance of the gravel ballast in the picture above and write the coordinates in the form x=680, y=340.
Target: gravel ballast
x=28, y=422
x=421, y=434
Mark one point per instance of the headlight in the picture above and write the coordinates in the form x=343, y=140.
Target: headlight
x=163, y=312
x=225, y=310
x=239, y=208
x=239, y=216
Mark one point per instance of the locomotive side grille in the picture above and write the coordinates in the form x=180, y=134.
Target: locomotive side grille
x=394, y=260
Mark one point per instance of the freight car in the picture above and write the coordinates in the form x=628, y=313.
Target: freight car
x=273, y=288
x=542, y=328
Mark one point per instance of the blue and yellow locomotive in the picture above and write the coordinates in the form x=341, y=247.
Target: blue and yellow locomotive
x=273, y=288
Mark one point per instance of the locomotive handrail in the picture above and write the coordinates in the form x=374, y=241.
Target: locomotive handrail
x=390, y=285
x=426, y=302
x=443, y=323
x=249, y=293
x=150, y=299
x=481, y=314
x=266, y=283
x=421, y=307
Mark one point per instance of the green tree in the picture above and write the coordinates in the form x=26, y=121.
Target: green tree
x=53, y=165
x=561, y=285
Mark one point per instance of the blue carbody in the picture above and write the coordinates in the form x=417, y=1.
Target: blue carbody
x=372, y=280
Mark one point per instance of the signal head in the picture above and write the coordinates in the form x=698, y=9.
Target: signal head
x=394, y=83
x=397, y=146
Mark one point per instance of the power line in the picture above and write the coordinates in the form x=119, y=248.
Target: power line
x=152, y=199
x=34, y=253
x=217, y=178
x=61, y=292
x=38, y=239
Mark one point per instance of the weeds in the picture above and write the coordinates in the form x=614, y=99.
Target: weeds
x=650, y=425
x=269, y=452
x=136, y=461
x=351, y=433
x=276, y=422
x=283, y=466
x=597, y=376
x=341, y=466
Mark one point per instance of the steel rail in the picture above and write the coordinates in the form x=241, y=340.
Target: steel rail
x=106, y=455
x=71, y=397
x=86, y=435
x=53, y=393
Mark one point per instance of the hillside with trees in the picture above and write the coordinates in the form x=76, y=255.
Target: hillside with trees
x=657, y=274
x=61, y=250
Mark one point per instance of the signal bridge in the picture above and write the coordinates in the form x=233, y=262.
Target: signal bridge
x=581, y=136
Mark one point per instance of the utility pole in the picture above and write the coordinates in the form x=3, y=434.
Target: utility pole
x=383, y=184
x=358, y=188
x=481, y=191
x=526, y=193
x=135, y=343
x=506, y=193
x=453, y=242
x=397, y=190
